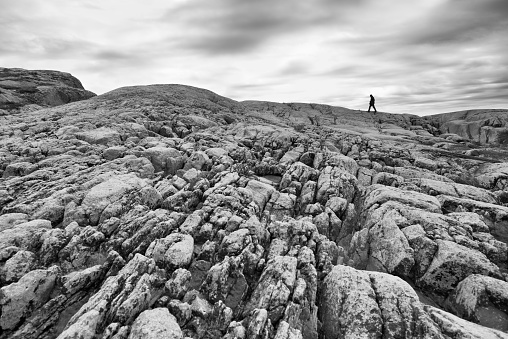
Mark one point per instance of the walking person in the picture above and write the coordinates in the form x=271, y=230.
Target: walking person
x=371, y=104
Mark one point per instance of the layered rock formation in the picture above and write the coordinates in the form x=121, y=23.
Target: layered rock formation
x=24, y=90
x=168, y=211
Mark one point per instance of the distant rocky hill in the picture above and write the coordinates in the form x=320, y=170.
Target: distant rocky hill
x=23, y=90
x=483, y=126
x=169, y=211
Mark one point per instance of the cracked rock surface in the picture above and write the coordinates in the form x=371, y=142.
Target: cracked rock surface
x=168, y=211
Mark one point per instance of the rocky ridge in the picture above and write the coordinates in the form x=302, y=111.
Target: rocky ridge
x=168, y=211
x=24, y=90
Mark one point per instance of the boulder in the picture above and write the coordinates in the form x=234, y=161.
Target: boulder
x=100, y=136
x=378, y=194
x=165, y=159
x=157, y=323
x=175, y=250
x=452, y=263
x=109, y=192
x=274, y=288
x=261, y=192
x=19, y=299
x=483, y=300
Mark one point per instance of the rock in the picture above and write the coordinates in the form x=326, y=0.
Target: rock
x=100, y=136
x=109, y=192
x=359, y=304
x=177, y=286
x=198, y=160
x=24, y=235
x=261, y=192
x=235, y=242
x=19, y=299
x=483, y=300
x=243, y=210
x=435, y=187
x=389, y=249
x=379, y=194
x=275, y=286
x=454, y=326
x=175, y=250
x=133, y=277
x=155, y=324
x=452, y=263
x=19, y=169
x=340, y=161
x=165, y=159
x=10, y=219
x=17, y=266
x=21, y=88
x=114, y=152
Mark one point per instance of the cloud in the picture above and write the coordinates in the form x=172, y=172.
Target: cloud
x=240, y=26
x=459, y=21
x=295, y=68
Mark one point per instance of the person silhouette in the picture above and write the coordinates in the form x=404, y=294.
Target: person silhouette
x=371, y=103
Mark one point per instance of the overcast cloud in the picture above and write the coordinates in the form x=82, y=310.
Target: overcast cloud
x=424, y=57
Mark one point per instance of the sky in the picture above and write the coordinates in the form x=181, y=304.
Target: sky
x=418, y=57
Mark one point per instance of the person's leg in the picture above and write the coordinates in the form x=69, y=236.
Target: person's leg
x=375, y=110
x=369, y=109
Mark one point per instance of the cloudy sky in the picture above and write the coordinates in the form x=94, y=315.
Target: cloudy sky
x=420, y=57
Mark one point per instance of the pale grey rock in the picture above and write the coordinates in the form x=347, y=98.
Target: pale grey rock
x=178, y=284
x=109, y=192
x=19, y=169
x=80, y=280
x=192, y=223
x=24, y=235
x=165, y=159
x=451, y=325
x=156, y=324
x=106, y=302
x=17, y=266
x=261, y=192
x=348, y=306
x=100, y=136
x=19, y=299
x=216, y=152
x=285, y=331
x=198, y=160
x=362, y=304
x=452, y=263
x=85, y=327
x=483, y=300
x=114, y=152
x=414, y=172
x=336, y=182
x=389, y=249
x=291, y=157
x=436, y=187
x=257, y=324
x=275, y=286
x=235, y=242
x=9, y=220
x=424, y=248
x=341, y=161
x=381, y=194
x=175, y=250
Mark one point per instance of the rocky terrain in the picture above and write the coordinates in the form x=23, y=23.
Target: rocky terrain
x=23, y=90
x=168, y=211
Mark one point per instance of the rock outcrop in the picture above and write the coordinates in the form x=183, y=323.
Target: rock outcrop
x=168, y=211
x=26, y=90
